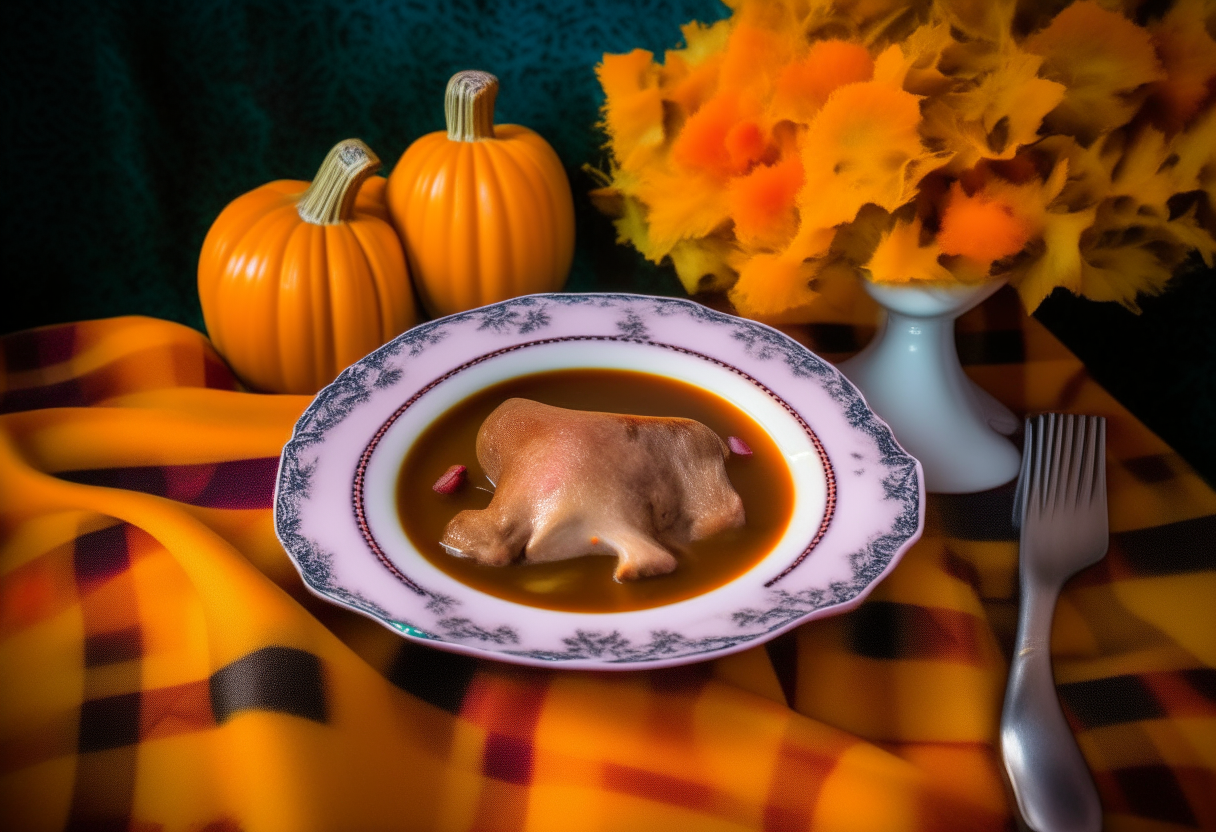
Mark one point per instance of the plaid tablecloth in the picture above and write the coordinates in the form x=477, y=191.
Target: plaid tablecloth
x=163, y=667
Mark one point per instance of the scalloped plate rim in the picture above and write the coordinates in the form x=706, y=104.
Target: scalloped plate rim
x=431, y=333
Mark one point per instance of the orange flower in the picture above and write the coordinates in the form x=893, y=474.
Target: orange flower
x=979, y=227
x=744, y=143
x=804, y=86
x=762, y=203
x=801, y=142
x=720, y=138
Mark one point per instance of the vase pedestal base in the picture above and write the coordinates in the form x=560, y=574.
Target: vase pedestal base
x=911, y=376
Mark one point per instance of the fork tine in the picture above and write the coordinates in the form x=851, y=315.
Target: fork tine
x=1070, y=466
x=1090, y=451
x=1063, y=460
x=1070, y=454
x=1100, y=475
x=1039, y=466
x=1054, y=462
x=1023, y=485
x=1035, y=466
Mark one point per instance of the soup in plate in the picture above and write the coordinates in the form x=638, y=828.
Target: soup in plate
x=585, y=584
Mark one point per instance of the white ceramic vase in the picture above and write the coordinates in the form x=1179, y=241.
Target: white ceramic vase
x=911, y=376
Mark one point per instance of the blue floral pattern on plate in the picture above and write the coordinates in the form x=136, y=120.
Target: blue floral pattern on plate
x=335, y=429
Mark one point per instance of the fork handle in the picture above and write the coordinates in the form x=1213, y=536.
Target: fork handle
x=1054, y=789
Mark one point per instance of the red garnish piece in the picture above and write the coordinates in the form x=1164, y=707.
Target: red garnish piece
x=452, y=480
x=738, y=446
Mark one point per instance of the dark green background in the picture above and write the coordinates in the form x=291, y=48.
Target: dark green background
x=129, y=125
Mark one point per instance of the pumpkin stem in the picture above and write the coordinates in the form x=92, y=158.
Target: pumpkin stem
x=469, y=105
x=330, y=199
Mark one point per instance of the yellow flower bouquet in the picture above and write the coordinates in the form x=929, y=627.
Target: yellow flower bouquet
x=798, y=143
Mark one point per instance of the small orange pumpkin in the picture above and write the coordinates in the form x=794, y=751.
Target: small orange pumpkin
x=299, y=280
x=484, y=211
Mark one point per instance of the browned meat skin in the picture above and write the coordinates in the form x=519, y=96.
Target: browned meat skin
x=573, y=482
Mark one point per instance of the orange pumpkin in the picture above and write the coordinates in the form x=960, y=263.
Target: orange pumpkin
x=299, y=280
x=484, y=211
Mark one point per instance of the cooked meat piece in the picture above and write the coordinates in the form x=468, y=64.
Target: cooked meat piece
x=571, y=482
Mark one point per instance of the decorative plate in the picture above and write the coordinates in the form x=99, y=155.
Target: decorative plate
x=858, y=496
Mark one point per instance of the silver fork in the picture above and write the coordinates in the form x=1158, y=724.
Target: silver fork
x=1060, y=507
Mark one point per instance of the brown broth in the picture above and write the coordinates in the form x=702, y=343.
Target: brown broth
x=585, y=584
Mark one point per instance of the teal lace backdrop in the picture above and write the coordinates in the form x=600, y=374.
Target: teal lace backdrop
x=129, y=124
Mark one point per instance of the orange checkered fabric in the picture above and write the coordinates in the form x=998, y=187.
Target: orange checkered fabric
x=162, y=666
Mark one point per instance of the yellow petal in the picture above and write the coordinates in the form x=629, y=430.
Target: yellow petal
x=1138, y=170
x=1122, y=274
x=1191, y=235
x=1195, y=148
x=924, y=48
x=810, y=242
x=891, y=67
x=631, y=227
x=859, y=149
x=1010, y=103
x=1188, y=54
x=1134, y=246
x=1088, y=180
x=702, y=42
x=681, y=206
x=1060, y=263
x=633, y=107
x=999, y=109
x=755, y=56
x=1105, y=61
x=804, y=85
x=986, y=19
x=702, y=264
x=774, y=288
x=839, y=297
x=899, y=257
x=686, y=91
